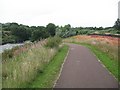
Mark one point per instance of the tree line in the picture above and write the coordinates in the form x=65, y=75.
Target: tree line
x=18, y=33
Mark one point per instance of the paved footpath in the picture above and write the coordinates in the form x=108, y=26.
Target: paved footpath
x=82, y=70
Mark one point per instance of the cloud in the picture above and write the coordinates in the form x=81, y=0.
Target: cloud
x=61, y=12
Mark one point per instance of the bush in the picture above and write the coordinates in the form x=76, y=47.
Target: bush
x=9, y=53
x=53, y=42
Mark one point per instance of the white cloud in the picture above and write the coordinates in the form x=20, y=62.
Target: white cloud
x=61, y=12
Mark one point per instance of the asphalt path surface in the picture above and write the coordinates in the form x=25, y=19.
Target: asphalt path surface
x=82, y=70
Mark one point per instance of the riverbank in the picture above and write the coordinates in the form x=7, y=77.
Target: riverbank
x=21, y=66
x=47, y=78
x=9, y=46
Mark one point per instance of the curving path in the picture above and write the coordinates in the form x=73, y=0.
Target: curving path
x=82, y=70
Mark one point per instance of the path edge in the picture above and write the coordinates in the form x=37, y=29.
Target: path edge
x=102, y=64
x=61, y=68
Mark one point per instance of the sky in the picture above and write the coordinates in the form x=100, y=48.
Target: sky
x=86, y=13
x=119, y=9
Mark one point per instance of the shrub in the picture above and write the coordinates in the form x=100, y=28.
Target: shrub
x=9, y=53
x=53, y=42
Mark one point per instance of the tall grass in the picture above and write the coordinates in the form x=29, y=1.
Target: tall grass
x=50, y=73
x=20, y=70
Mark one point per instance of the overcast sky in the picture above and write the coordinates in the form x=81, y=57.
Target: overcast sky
x=60, y=12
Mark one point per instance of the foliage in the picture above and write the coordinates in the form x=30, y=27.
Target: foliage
x=15, y=51
x=65, y=31
x=51, y=29
x=21, y=33
x=7, y=54
x=53, y=42
x=16, y=33
x=117, y=24
x=39, y=34
x=68, y=31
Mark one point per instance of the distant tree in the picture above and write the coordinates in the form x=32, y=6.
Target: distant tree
x=36, y=35
x=21, y=33
x=41, y=27
x=117, y=24
x=77, y=32
x=108, y=28
x=80, y=27
x=40, y=33
x=100, y=28
x=95, y=28
x=51, y=28
x=67, y=27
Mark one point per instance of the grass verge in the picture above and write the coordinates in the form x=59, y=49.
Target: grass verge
x=110, y=64
x=47, y=78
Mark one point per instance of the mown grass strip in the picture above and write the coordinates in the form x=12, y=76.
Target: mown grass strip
x=47, y=78
x=110, y=64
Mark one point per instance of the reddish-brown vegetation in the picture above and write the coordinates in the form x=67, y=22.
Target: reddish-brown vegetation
x=106, y=44
x=107, y=39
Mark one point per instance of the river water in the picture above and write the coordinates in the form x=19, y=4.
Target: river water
x=8, y=46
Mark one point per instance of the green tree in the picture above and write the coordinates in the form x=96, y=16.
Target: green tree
x=117, y=24
x=67, y=27
x=40, y=33
x=21, y=33
x=51, y=28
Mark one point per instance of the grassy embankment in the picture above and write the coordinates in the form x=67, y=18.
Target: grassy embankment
x=50, y=73
x=104, y=51
x=22, y=66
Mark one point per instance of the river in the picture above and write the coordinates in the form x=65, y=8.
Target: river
x=8, y=46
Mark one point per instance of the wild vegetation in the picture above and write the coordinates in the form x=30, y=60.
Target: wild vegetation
x=53, y=42
x=17, y=33
x=48, y=78
x=31, y=64
x=21, y=69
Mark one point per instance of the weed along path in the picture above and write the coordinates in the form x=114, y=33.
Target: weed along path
x=82, y=70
